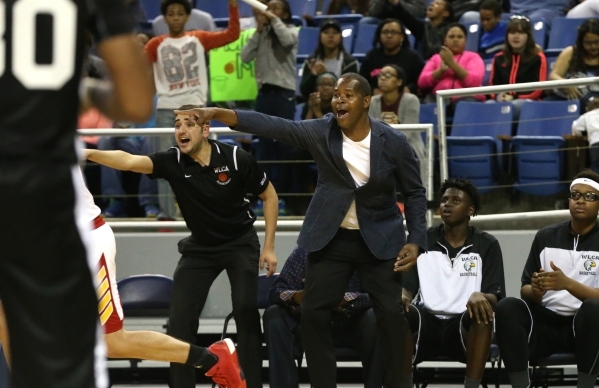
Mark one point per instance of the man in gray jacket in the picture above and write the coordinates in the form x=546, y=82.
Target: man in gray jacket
x=353, y=222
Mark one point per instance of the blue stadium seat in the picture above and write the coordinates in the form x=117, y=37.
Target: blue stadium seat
x=473, y=37
x=363, y=41
x=563, y=34
x=303, y=7
x=307, y=42
x=218, y=9
x=145, y=295
x=324, y=6
x=550, y=64
x=245, y=10
x=428, y=115
x=538, y=145
x=343, y=19
x=488, y=68
x=152, y=8
x=298, y=111
x=473, y=145
x=347, y=35
x=539, y=31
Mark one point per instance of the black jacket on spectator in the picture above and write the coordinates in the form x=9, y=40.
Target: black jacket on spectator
x=430, y=38
x=515, y=71
x=408, y=59
x=308, y=82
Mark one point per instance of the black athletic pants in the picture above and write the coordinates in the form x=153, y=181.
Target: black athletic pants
x=327, y=276
x=529, y=331
x=45, y=281
x=195, y=273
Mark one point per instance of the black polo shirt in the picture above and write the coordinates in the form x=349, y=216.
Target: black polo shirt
x=213, y=199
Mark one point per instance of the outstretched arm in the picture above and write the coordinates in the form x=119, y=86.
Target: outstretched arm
x=271, y=212
x=121, y=160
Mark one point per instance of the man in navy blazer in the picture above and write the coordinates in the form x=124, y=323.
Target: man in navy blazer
x=353, y=222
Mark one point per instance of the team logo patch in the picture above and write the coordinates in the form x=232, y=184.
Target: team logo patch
x=589, y=264
x=469, y=265
x=223, y=178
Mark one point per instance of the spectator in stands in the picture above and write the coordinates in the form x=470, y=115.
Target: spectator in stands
x=584, y=10
x=380, y=9
x=274, y=47
x=589, y=123
x=453, y=68
x=579, y=61
x=559, y=306
x=353, y=325
x=112, y=180
x=391, y=45
x=540, y=9
x=337, y=7
x=457, y=285
x=396, y=106
x=329, y=56
x=198, y=20
x=521, y=61
x=429, y=32
x=493, y=36
x=319, y=102
x=180, y=74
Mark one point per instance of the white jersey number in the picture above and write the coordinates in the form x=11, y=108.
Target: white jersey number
x=31, y=74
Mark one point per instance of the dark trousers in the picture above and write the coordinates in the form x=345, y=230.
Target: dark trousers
x=275, y=101
x=45, y=280
x=327, y=276
x=284, y=344
x=437, y=336
x=195, y=273
x=528, y=331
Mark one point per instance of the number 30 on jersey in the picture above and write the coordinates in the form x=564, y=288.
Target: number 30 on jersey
x=33, y=75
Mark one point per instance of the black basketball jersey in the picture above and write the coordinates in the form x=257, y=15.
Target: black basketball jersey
x=41, y=56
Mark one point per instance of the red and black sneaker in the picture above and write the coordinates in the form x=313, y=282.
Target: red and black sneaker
x=226, y=372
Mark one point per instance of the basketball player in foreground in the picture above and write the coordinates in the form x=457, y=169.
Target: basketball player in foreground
x=45, y=279
x=219, y=360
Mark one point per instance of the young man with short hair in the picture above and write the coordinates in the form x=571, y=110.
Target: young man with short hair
x=493, y=37
x=456, y=285
x=559, y=309
x=211, y=180
x=181, y=73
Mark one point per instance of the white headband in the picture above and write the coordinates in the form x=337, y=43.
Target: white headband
x=585, y=181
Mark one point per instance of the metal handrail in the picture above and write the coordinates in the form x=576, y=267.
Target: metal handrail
x=441, y=95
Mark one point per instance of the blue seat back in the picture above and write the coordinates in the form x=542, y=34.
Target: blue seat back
x=480, y=119
x=152, y=8
x=347, y=34
x=298, y=111
x=364, y=38
x=264, y=285
x=147, y=295
x=547, y=118
x=218, y=9
x=473, y=36
x=539, y=31
x=563, y=32
x=307, y=42
x=540, y=164
x=428, y=115
x=303, y=7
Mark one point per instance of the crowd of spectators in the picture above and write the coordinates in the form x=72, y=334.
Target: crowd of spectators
x=402, y=74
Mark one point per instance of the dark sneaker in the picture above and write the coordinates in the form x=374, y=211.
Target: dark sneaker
x=226, y=372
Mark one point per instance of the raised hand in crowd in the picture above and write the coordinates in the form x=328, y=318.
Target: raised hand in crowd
x=317, y=67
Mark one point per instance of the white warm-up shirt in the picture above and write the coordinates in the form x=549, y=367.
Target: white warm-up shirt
x=357, y=159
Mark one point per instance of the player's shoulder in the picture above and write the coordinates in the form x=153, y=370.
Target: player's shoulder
x=155, y=42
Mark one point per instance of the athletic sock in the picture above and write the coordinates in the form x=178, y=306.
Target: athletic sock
x=200, y=358
x=471, y=383
x=519, y=379
x=586, y=381
x=406, y=382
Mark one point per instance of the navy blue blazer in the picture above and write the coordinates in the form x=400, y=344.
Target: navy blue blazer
x=393, y=167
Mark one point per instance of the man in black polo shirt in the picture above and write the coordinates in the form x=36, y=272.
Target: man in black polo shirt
x=210, y=180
